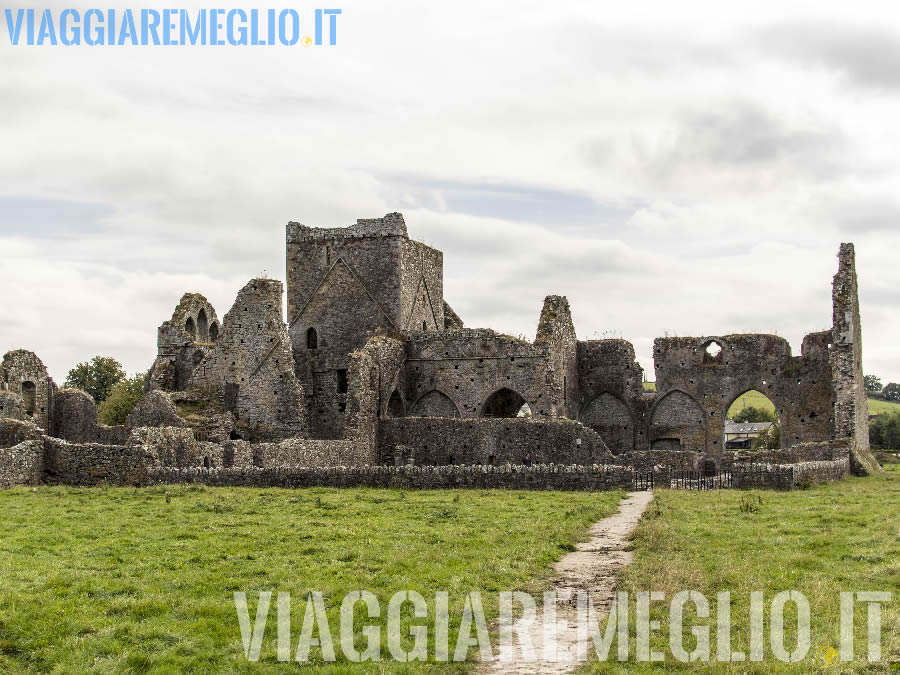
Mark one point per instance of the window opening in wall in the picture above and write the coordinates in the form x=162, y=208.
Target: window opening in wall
x=341, y=375
x=424, y=325
x=202, y=326
x=29, y=392
x=312, y=338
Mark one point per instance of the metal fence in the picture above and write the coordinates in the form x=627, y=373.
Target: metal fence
x=642, y=480
x=698, y=480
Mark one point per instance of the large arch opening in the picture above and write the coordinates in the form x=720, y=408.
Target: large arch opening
x=434, y=404
x=752, y=423
x=678, y=423
x=213, y=332
x=190, y=327
x=610, y=417
x=505, y=403
x=29, y=394
x=202, y=326
x=395, y=405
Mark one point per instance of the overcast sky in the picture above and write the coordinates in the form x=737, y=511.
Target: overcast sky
x=673, y=168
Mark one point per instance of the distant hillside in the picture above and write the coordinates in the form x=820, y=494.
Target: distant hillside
x=758, y=400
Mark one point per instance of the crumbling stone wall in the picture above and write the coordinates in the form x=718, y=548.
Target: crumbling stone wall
x=23, y=373
x=375, y=385
x=12, y=406
x=13, y=432
x=94, y=463
x=470, y=366
x=75, y=420
x=21, y=464
x=705, y=375
x=183, y=342
x=451, y=318
x=610, y=394
x=156, y=409
x=556, y=329
x=250, y=370
x=851, y=412
x=442, y=441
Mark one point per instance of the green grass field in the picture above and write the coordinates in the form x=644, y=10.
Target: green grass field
x=759, y=400
x=120, y=580
x=838, y=537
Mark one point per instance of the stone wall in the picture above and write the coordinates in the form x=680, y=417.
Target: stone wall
x=310, y=453
x=21, y=464
x=442, y=441
x=12, y=406
x=75, y=420
x=463, y=373
x=182, y=342
x=707, y=374
x=555, y=328
x=250, y=371
x=156, y=409
x=544, y=477
x=13, y=432
x=610, y=394
x=94, y=463
x=23, y=373
x=346, y=285
x=851, y=412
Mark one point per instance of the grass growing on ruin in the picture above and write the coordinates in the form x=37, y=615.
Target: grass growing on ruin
x=837, y=537
x=142, y=580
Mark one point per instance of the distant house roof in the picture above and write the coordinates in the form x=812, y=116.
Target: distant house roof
x=745, y=427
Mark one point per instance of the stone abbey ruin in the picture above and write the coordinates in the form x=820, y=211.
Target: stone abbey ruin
x=375, y=380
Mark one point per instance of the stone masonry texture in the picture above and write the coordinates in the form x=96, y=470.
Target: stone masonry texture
x=373, y=371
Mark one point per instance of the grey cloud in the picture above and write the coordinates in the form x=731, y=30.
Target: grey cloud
x=867, y=56
x=743, y=135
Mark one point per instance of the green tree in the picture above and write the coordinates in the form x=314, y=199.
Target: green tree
x=884, y=432
x=97, y=377
x=753, y=414
x=891, y=392
x=873, y=384
x=770, y=439
x=121, y=400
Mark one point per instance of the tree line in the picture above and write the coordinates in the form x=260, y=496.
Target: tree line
x=113, y=391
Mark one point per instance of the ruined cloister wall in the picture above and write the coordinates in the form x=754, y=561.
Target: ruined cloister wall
x=695, y=389
x=455, y=372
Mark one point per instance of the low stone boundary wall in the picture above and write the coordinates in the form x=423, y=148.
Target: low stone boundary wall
x=444, y=440
x=94, y=463
x=789, y=476
x=22, y=464
x=507, y=477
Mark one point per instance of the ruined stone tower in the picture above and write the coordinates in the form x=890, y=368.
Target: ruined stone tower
x=345, y=285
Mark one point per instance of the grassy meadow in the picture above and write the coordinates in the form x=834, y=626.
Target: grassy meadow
x=142, y=580
x=843, y=536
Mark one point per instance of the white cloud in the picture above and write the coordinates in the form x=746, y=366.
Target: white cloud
x=689, y=170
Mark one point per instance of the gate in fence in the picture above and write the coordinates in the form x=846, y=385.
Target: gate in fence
x=642, y=480
x=699, y=480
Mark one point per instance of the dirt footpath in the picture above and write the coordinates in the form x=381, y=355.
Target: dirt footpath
x=592, y=567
